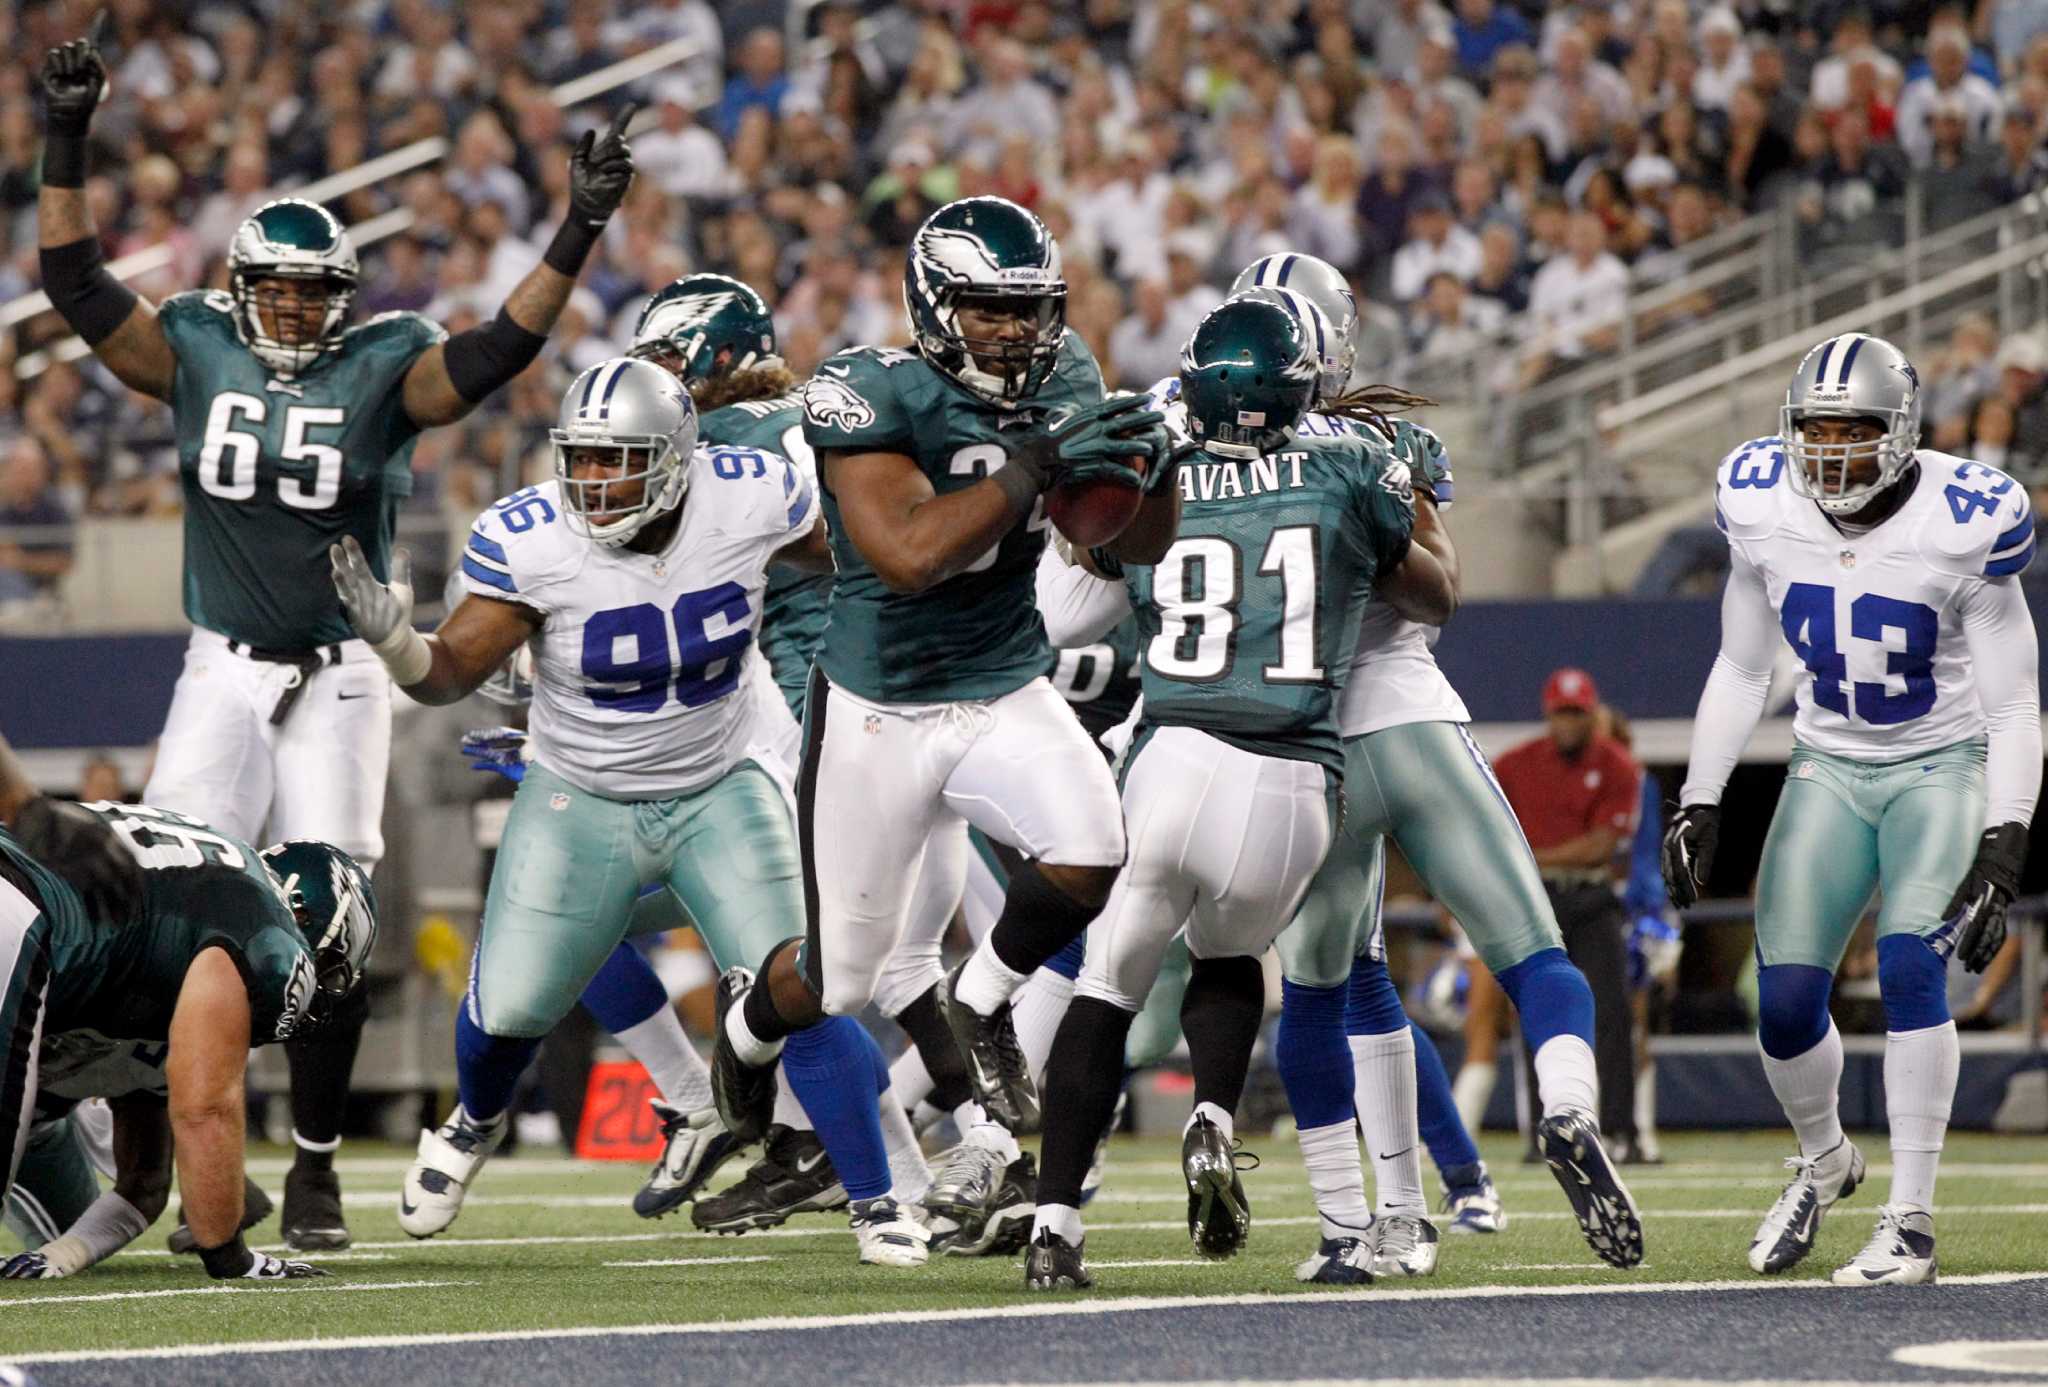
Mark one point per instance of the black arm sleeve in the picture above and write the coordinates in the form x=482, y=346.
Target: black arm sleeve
x=488, y=356
x=92, y=301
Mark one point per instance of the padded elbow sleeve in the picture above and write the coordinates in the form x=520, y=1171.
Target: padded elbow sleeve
x=91, y=300
x=488, y=356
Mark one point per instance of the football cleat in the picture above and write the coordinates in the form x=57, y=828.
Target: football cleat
x=256, y=1207
x=1091, y=1183
x=1219, y=1215
x=1338, y=1262
x=698, y=1145
x=963, y=1191
x=744, y=1093
x=449, y=1158
x=1786, y=1235
x=312, y=1220
x=1606, y=1210
x=1008, y=1228
x=793, y=1176
x=1404, y=1245
x=1052, y=1263
x=889, y=1235
x=1900, y=1252
x=995, y=1062
x=1475, y=1207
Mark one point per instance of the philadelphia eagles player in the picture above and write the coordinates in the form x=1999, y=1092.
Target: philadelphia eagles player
x=1247, y=625
x=294, y=430
x=927, y=701
x=224, y=949
x=1892, y=572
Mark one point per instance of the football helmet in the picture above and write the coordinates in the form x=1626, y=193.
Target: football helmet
x=331, y=897
x=291, y=239
x=1853, y=376
x=706, y=325
x=1248, y=375
x=1323, y=285
x=991, y=253
x=645, y=415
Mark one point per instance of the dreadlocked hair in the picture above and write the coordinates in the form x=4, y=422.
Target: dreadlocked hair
x=1371, y=404
x=737, y=387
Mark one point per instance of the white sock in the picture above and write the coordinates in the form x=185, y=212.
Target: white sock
x=1064, y=1220
x=745, y=1043
x=670, y=1059
x=1036, y=1011
x=1809, y=1087
x=1471, y=1091
x=1384, y=1070
x=991, y=1136
x=1225, y=1123
x=1646, y=1109
x=909, y=1080
x=1919, y=1088
x=788, y=1111
x=1565, y=1077
x=986, y=982
x=909, y=1176
x=1336, y=1178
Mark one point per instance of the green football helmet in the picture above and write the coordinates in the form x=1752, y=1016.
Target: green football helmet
x=1247, y=376
x=291, y=239
x=336, y=908
x=987, y=253
x=706, y=325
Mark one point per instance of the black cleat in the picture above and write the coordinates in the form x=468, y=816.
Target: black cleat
x=312, y=1211
x=793, y=1176
x=256, y=1207
x=744, y=1093
x=1054, y=1264
x=995, y=1062
x=1606, y=1210
x=1219, y=1215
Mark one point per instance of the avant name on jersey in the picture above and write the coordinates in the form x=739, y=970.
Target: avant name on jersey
x=639, y=654
x=1872, y=615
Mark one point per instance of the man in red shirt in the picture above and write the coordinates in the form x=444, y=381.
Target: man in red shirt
x=1576, y=792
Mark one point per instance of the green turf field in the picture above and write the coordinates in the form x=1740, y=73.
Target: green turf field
x=552, y=1243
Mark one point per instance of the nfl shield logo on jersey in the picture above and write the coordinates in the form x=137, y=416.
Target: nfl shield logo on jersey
x=1848, y=557
x=872, y=724
x=558, y=801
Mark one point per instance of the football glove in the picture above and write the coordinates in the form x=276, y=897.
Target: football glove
x=74, y=78
x=1423, y=451
x=28, y=1266
x=600, y=171
x=376, y=610
x=1095, y=443
x=269, y=1268
x=86, y=852
x=1977, y=910
x=498, y=749
x=1689, y=842
x=1653, y=948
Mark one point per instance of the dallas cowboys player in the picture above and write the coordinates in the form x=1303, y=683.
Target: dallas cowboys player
x=1890, y=570
x=294, y=429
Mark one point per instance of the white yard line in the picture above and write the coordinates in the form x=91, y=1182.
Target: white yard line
x=40, y=1301
x=690, y=1262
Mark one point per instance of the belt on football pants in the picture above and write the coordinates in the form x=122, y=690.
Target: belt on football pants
x=305, y=664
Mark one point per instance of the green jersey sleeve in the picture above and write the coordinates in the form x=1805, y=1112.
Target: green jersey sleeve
x=257, y=931
x=853, y=405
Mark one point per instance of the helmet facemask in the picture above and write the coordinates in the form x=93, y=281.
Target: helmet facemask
x=286, y=252
x=1003, y=371
x=647, y=484
x=1823, y=472
x=335, y=908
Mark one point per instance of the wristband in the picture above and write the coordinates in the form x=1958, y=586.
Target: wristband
x=406, y=654
x=571, y=247
x=65, y=157
x=231, y=1260
x=1020, y=484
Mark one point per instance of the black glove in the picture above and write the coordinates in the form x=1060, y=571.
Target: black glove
x=73, y=80
x=1977, y=910
x=600, y=171
x=80, y=847
x=1689, y=842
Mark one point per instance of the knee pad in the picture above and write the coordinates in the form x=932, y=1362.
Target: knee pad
x=1913, y=980
x=1792, y=1007
x=1551, y=996
x=1372, y=1004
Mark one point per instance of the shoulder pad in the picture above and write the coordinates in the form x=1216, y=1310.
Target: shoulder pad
x=1750, y=489
x=855, y=399
x=1980, y=522
x=755, y=490
x=199, y=301
x=204, y=312
x=518, y=545
x=398, y=325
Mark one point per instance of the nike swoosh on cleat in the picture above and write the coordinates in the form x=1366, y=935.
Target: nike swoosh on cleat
x=806, y=1167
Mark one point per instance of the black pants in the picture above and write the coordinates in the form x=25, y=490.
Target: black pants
x=1595, y=929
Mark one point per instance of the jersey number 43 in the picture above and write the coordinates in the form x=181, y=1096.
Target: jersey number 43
x=1808, y=618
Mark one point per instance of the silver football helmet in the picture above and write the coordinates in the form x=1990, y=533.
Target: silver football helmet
x=1323, y=285
x=642, y=413
x=1853, y=376
x=1315, y=326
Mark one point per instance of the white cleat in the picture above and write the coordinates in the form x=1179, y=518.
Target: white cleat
x=1900, y=1252
x=449, y=1158
x=889, y=1234
x=698, y=1145
x=1475, y=1208
x=1404, y=1245
x=1786, y=1235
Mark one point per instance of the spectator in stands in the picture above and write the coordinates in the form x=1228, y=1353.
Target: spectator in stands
x=1576, y=301
x=401, y=281
x=1145, y=346
x=680, y=156
x=1849, y=195
x=35, y=530
x=1955, y=377
x=1511, y=99
x=1435, y=242
x=1760, y=158
x=1960, y=178
x=1448, y=323
x=432, y=64
x=653, y=22
x=1388, y=193
x=1576, y=795
x=1324, y=218
x=481, y=169
x=1435, y=80
x=1483, y=29
x=1575, y=75
x=2022, y=164
x=580, y=46
x=1009, y=100
x=1724, y=62
x=759, y=82
x=2014, y=26
x=1948, y=86
x=1850, y=44
x=1500, y=279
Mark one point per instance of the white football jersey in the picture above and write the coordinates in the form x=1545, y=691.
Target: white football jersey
x=1873, y=615
x=638, y=667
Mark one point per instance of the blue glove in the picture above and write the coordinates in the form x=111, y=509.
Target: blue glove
x=1653, y=945
x=27, y=1266
x=498, y=749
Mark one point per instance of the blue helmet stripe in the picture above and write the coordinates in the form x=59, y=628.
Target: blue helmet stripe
x=1286, y=269
x=1827, y=349
x=1849, y=359
x=604, y=405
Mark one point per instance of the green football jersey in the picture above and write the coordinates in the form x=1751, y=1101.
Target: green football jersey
x=793, y=612
x=1100, y=681
x=977, y=635
x=119, y=979
x=276, y=469
x=1249, y=622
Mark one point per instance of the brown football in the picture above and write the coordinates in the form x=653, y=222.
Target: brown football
x=1089, y=513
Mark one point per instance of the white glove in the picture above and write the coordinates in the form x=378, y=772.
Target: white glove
x=269, y=1268
x=381, y=613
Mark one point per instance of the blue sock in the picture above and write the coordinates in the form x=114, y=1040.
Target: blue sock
x=625, y=991
x=487, y=1067
x=1067, y=962
x=1443, y=1131
x=1372, y=1004
x=831, y=1072
x=1310, y=1053
x=1552, y=997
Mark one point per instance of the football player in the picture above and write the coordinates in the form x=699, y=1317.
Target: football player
x=294, y=429
x=1891, y=570
x=222, y=949
x=927, y=701
x=1247, y=625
